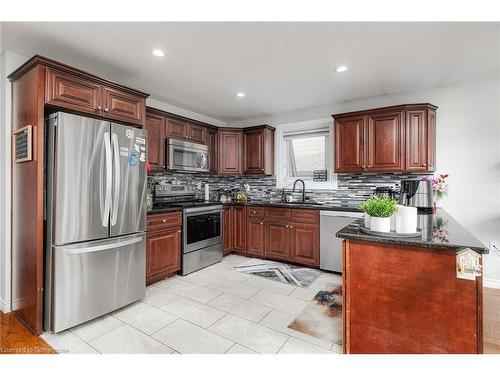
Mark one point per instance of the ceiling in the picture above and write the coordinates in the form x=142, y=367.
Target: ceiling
x=281, y=67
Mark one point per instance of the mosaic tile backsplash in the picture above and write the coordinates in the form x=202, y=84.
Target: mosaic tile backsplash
x=352, y=188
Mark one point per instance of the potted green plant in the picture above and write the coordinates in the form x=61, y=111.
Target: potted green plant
x=365, y=207
x=380, y=210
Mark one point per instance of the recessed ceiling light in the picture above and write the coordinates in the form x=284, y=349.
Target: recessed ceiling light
x=158, y=53
x=240, y=95
x=341, y=69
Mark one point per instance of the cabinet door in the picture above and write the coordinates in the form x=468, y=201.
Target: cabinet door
x=277, y=240
x=212, y=150
x=163, y=251
x=239, y=228
x=416, y=141
x=304, y=244
x=176, y=128
x=122, y=106
x=349, y=144
x=256, y=239
x=227, y=235
x=64, y=90
x=155, y=125
x=431, y=140
x=386, y=146
x=197, y=133
x=230, y=143
x=254, y=152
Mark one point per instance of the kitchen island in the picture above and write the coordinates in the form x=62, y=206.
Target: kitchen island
x=404, y=295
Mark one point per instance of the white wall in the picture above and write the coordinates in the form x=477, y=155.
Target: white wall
x=9, y=61
x=468, y=148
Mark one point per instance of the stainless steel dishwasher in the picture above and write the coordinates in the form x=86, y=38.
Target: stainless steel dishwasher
x=330, y=246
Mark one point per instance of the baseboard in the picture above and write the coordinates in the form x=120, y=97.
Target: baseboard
x=4, y=306
x=491, y=283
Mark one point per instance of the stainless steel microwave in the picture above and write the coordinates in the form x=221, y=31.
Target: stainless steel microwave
x=187, y=156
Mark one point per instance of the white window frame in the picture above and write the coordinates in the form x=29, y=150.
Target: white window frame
x=280, y=154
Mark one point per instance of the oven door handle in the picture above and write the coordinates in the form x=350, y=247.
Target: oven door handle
x=202, y=210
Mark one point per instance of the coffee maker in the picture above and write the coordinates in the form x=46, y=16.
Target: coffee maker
x=417, y=193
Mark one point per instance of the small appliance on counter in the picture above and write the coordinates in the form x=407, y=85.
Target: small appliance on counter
x=385, y=191
x=224, y=196
x=417, y=193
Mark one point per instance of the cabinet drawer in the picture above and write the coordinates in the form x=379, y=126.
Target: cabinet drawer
x=303, y=216
x=164, y=221
x=275, y=213
x=257, y=212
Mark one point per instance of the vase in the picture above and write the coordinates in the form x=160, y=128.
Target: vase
x=380, y=224
x=367, y=221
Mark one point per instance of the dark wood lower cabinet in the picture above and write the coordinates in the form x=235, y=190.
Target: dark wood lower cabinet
x=256, y=239
x=163, y=247
x=304, y=244
x=239, y=228
x=277, y=240
x=227, y=230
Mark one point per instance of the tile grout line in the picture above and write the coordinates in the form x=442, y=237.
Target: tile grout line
x=283, y=344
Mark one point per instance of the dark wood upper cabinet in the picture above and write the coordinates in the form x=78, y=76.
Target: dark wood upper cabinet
x=258, y=150
x=227, y=229
x=177, y=128
x=386, y=144
x=239, y=228
x=416, y=137
x=66, y=90
x=122, y=106
x=230, y=146
x=156, y=127
x=392, y=139
x=197, y=133
x=212, y=149
x=349, y=144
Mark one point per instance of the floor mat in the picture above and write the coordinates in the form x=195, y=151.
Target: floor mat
x=322, y=317
x=282, y=272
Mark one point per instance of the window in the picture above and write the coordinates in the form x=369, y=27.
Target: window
x=301, y=149
x=305, y=153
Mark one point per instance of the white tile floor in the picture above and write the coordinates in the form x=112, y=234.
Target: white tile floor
x=215, y=310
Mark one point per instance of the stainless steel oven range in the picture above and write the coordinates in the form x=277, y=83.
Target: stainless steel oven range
x=201, y=229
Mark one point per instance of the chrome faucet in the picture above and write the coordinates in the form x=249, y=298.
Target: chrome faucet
x=303, y=189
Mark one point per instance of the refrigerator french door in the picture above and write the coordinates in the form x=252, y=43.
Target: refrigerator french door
x=95, y=218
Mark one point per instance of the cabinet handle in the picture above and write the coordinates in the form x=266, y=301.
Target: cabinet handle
x=431, y=165
x=164, y=220
x=363, y=166
x=261, y=223
x=163, y=167
x=286, y=225
x=424, y=165
x=369, y=166
x=253, y=212
x=291, y=226
x=98, y=108
x=106, y=109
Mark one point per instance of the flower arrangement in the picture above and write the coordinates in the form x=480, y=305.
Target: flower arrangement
x=439, y=185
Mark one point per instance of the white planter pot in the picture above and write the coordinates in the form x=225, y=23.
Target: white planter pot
x=380, y=224
x=367, y=221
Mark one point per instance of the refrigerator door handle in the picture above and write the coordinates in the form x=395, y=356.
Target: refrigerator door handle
x=116, y=151
x=92, y=249
x=109, y=171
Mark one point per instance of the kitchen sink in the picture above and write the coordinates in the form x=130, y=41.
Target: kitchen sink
x=304, y=203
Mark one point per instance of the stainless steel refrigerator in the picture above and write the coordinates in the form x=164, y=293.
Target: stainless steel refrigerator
x=95, y=218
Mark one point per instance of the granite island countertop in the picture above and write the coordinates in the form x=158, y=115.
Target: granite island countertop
x=440, y=231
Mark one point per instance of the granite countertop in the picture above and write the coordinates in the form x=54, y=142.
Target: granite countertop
x=439, y=231
x=315, y=206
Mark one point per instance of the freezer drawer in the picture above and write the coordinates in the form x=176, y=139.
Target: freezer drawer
x=94, y=278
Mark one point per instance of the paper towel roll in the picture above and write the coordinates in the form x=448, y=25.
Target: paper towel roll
x=406, y=219
x=207, y=193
